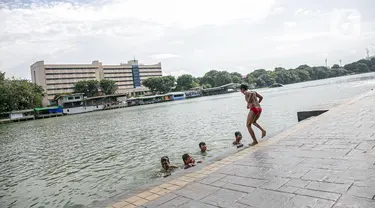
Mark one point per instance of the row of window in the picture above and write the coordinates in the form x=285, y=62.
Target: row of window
x=93, y=68
x=118, y=77
x=106, y=69
x=71, y=68
x=118, y=72
x=70, y=78
x=117, y=69
x=60, y=83
x=63, y=83
x=65, y=88
x=75, y=73
x=149, y=72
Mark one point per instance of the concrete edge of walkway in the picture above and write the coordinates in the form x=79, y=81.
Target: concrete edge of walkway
x=185, y=178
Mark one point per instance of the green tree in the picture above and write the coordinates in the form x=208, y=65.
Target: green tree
x=278, y=69
x=222, y=78
x=336, y=72
x=365, y=61
x=351, y=67
x=372, y=61
x=206, y=86
x=209, y=78
x=265, y=80
x=236, y=77
x=89, y=87
x=216, y=78
x=303, y=75
x=108, y=87
x=250, y=79
x=19, y=94
x=362, y=68
x=185, y=82
x=335, y=66
x=2, y=76
x=161, y=85
x=197, y=80
x=258, y=72
x=372, y=68
x=304, y=67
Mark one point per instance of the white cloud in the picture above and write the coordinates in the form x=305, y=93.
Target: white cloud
x=309, y=12
x=176, y=73
x=290, y=24
x=164, y=56
x=298, y=36
x=191, y=35
x=278, y=10
x=177, y=42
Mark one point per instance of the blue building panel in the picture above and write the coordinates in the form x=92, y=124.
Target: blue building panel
x=136, y=76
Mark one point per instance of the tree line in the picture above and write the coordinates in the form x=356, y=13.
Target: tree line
x=91, y=87
x=19, y=94
x=258, y=78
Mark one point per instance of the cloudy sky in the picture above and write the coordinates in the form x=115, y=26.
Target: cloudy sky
x=187, y=36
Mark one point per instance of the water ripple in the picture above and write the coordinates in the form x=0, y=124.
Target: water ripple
x=72, y=161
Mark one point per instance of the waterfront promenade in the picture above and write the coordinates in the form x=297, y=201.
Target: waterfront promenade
x=326, y=161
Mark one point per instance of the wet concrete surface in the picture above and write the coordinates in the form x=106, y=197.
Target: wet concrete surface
x=327, y=163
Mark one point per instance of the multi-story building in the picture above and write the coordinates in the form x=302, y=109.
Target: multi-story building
x=60, y=78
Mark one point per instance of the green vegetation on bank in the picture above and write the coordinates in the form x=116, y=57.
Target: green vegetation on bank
x=19, y=94
x=91, y=87
x=259, y=77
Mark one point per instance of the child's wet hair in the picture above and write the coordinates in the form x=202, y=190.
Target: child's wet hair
x=244, y=87
x=164, y=158
x=237, y=133
x=185, y=157
x=201, y=144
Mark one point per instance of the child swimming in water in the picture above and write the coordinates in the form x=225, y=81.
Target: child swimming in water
x=238, y=137
x=189, y=161
x=203, y=147
x=166, y=165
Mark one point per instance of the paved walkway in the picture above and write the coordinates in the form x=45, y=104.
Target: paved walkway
x=327, y=161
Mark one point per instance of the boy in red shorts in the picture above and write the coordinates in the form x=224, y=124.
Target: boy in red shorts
x=253, y=104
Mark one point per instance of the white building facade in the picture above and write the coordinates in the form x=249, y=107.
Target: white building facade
x=60, y=78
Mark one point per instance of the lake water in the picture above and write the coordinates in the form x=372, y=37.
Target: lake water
x=72, y=161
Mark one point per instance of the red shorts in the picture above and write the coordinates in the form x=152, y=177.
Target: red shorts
x=255, y=110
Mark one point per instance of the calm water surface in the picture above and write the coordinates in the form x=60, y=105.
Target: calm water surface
x=72, y=161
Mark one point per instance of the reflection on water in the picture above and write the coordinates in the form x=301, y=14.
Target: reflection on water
x=71, y=161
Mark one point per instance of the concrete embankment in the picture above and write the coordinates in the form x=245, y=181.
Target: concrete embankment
x=325, y=161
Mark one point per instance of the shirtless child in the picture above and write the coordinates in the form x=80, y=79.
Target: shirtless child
x=167, y=167
x=252, y=101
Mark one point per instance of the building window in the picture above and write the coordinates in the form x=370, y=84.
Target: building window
x=136, y=77
x=75, y=73
x=70, y=98
x=77, y=98
x=91, y=68
x=70, y=78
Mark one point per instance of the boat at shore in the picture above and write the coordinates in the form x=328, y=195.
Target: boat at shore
x=276, y=85
x=78, y=103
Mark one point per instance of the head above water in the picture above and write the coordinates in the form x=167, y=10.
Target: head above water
x=244, y=88
x=165, y=162
x=203, y=146
x=187, y=159
x=238, y=136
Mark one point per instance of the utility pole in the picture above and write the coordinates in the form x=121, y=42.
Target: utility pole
x=368, y=53
x=326, y=63
x=340, y=62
